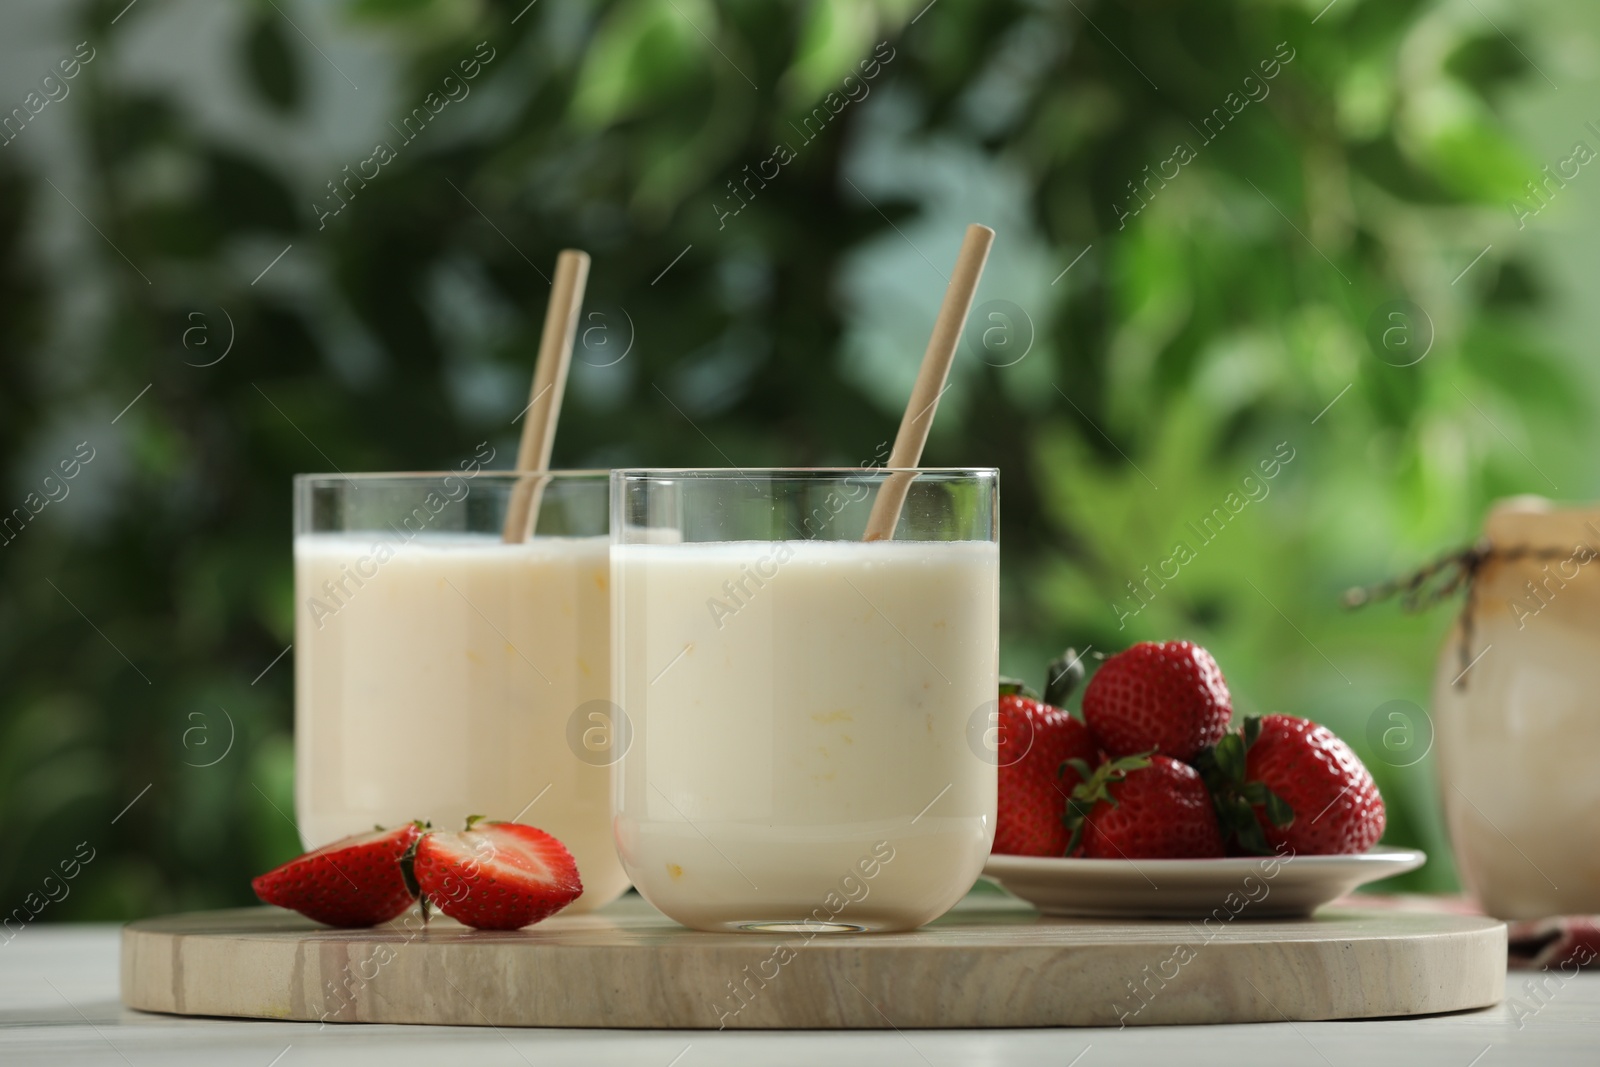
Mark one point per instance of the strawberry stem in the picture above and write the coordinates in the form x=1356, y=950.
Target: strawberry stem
x=1016, y=687
x=1062, y=678
x=1095, y=787
x=1222, y=767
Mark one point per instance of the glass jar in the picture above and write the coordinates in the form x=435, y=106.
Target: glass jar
x=800, y=699
x=1516, y=716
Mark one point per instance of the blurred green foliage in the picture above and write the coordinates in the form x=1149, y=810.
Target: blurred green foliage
x=141, y=612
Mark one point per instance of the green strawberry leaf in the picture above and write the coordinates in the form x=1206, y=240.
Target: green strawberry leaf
x=1278, y=810
x=1229, y=754
x=1241, y=820
x=1015, y=687
x=1096, y=788
x=1252, y=730
x=1122, y=765
x=1223, y=768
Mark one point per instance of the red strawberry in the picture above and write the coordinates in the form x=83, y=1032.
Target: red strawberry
x=1168, y=698
x=355, y=881
x=1143, y=807
x=1036, y=739
x=497, y=875
x=1285, y=783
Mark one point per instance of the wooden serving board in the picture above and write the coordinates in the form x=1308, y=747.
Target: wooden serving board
x=992, y=962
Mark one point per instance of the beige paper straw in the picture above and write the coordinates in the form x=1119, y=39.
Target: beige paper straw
x=549, y=383
x=924, y=402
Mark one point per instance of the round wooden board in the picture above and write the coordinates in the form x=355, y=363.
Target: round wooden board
x=992, y=962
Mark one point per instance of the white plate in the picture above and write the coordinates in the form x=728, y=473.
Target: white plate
x=1248, y=887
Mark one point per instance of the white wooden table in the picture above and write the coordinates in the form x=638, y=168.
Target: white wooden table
x=58, y=1006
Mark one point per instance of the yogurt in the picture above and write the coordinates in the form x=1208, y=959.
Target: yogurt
x=436, y=678
x=802, y=753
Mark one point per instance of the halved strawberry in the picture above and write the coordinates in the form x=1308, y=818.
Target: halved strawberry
x=355, y=881
x=496, y=875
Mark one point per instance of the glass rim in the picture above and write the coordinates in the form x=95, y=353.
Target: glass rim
x=745, y=472
x=437, y=475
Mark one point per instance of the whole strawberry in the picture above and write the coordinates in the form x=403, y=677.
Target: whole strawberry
x=1036, y=740
x=1168, y=698
x=496, y=875
x=1283, y=783
x=1142, y=807
x=355, y=881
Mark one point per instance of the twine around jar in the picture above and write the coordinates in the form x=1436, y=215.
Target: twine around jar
x=1437, y=581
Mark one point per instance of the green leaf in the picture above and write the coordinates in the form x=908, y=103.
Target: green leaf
x=836, y=34
x=1246, y=830
x=1016, y=687
x=1279, y=811
x=272, y=64
x=1122, y=766
x=1465, y=148
x=1229, y=754
x=1252, y=730
x=642, y=50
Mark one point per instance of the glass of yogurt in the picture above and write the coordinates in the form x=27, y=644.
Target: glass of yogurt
x=441, y=672
x=803, y=703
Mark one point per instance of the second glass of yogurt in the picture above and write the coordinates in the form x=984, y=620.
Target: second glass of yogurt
x=803, y=703
x=441, y=672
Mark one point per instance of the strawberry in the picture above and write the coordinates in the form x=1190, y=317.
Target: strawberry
x=496, y=875
x=355, y=881
x=1285, y=783
x=1036, y=740
x=1142, y=807
x=1168, y=698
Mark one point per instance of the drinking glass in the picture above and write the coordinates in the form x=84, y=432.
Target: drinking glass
x=442, y=672
x=801, y=701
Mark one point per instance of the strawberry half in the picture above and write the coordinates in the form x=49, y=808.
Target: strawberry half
x=1285, y=782
x=355, y=881
x=496, y=875
x=1142, y=807
x=1035, y=745
x=1169, y=698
